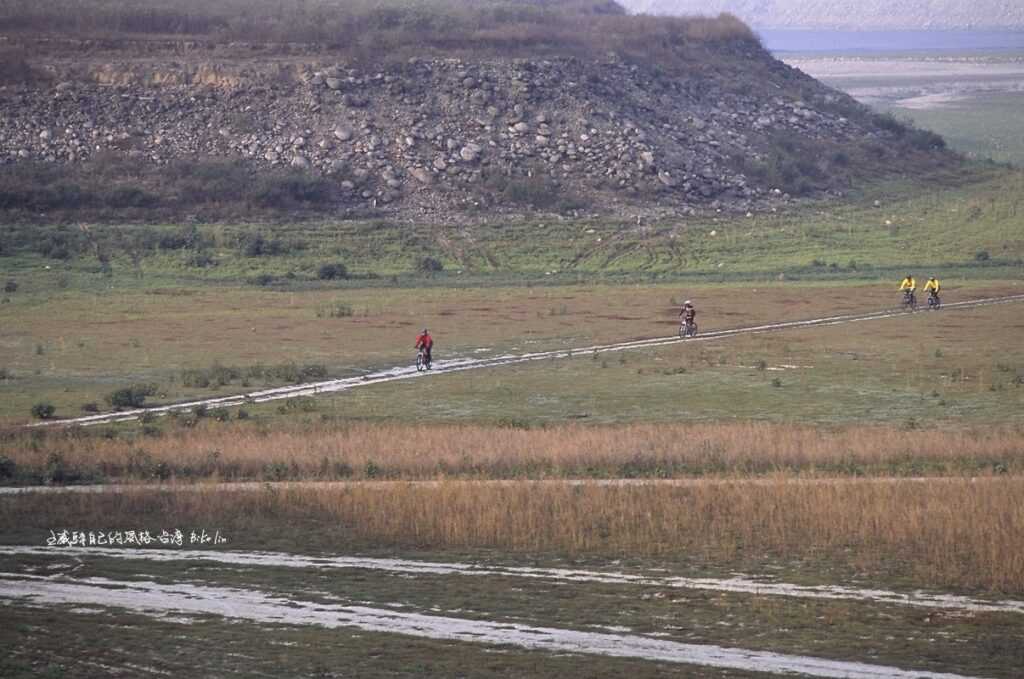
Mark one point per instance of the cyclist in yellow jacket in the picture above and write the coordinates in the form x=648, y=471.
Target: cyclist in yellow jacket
x=932, y=288
x=907, y=287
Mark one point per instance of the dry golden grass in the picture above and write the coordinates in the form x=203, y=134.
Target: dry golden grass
x=388, y=29
x=942, y=532
x=243, y=450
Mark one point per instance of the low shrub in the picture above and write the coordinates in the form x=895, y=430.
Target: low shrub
x=926, y=140
x=429, y=265
x=43, y=410
x=256, y=245
x=133, y=396
x=200, y=260
x=332, y=271
x=890, y=124
x=336, y=310
x=293, y=189
x=219, y=375
x=8, y=468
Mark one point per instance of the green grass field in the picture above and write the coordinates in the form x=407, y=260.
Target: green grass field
x=965, y=367
x=982, y=126
x=75, y=330
x=73, y=351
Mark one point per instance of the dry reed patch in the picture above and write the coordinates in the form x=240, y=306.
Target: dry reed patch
x=244, y=450
x=950, y=533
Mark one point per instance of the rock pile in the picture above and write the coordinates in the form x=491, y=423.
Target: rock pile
x=438, y=134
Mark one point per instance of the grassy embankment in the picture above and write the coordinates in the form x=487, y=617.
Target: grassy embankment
x=962, y=223
x=78, y=327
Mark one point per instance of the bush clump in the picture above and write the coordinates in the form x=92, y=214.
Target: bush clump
x=429, y=265
x=263, y=280
x=219, y=375
x=8, y=468
x=926, y=140
x=43, y=410
x=256, y=245
x=335, y=310
x=332, y=271
x=294, y=189
x=133, y=396
x=216, y=374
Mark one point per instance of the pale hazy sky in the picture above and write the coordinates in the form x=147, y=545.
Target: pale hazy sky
x=851, y=13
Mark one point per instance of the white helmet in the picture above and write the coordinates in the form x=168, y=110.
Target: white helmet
x=687, y=303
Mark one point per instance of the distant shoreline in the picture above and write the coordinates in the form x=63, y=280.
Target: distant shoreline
x=824, y=41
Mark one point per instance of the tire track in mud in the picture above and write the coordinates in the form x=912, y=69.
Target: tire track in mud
x=409, y=567
x=461, y=364
x=165, y=601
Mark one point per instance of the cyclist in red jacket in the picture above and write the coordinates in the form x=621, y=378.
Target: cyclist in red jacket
x=425, y=342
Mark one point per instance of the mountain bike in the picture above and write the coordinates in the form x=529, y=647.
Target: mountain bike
x=688, y=329
x=422, y=360
x=909, y=302
x=934, y=303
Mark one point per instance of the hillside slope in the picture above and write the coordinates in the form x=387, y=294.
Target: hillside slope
x=856, y=14
x=552, y=112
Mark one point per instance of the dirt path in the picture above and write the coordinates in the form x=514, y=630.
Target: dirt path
x=460, y=364
x=167, y=601
x=735, y=585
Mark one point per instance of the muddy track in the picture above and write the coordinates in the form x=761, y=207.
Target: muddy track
x=256, y=606
x=759, y=586
x=460, y=364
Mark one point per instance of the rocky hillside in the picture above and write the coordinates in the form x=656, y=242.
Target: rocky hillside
x=153, y=127
x=850, y=14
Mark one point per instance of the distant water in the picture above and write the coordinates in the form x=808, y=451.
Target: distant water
x=810, y=40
